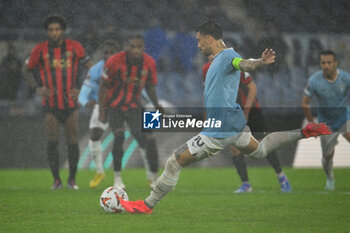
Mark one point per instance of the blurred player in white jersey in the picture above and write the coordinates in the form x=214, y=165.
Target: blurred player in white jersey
x=89, y=96
x=330, y=86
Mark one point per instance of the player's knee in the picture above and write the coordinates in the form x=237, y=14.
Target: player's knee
x=259, y=153
x=145, y=141
x=51, y=147
x=52, y=133
x=96, y=134
x=71, y=138
x=119, y=136
x=328, y=155
x=150, y=140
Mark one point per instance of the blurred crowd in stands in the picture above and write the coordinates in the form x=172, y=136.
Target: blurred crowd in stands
x=298, y=30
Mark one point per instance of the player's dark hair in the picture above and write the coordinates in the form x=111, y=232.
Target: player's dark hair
x=110, y=44
x=55, y=19
x=211, y=28
x=328, y=52
x=136, y=36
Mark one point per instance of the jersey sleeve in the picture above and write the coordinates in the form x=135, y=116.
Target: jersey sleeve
x=85, y=91
x=308, y=91
x=80, y=52
x=95, y=73
x=33, y=60
x=232, y=61
x=109, y=70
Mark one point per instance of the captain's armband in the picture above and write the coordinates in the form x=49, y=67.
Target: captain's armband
x=235, y=63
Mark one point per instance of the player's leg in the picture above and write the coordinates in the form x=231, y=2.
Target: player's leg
x=194, y=150
x=241, y=168
x=116, y=121
x=328, y=143
x=282, y=178
x=96, y=152
x=170, y=176
x=96, y=131
x=149, y=153
x=258, y=127
x=51, y=127
x=71, y=134
x=275, y=140
x=148, y=146
x=200, y=147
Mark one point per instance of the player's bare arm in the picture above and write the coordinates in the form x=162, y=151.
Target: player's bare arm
x=88, y=65
x=151, y=92
x=252, y=91
x=305, y=104
x=28, y=76
x=74, y=93
x=267, y=57
x=102, y=95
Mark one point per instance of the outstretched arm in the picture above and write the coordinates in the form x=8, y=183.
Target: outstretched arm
x=267, y=57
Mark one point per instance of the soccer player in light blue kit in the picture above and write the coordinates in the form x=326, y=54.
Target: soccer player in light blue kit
x=89, y=96
x=221, y=88
x=330, y=87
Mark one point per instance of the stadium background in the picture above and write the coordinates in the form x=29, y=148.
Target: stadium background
x=296, y=29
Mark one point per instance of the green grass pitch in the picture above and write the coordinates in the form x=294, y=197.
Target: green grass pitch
x=203, y=201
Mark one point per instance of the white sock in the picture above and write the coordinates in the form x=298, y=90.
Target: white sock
x=165, y=183
x=96, y=151
x=117, y=175
x=328, y=167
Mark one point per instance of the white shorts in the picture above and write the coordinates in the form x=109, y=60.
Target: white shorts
x=201, y=146
x=328, y=142
x=94, y=122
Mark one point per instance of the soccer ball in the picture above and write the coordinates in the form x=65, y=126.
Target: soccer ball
x=109, y=201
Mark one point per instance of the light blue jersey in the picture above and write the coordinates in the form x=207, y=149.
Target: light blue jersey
x=89, y=91
x=333, y=107
x=220, y=94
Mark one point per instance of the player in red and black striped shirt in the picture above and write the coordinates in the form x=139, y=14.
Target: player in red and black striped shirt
x=125, y=75
x=247, y=99
x=58, y=60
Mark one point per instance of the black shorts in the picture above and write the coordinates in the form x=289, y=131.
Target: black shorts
x=116, y=118
x=256, y=123
x=60, y=114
